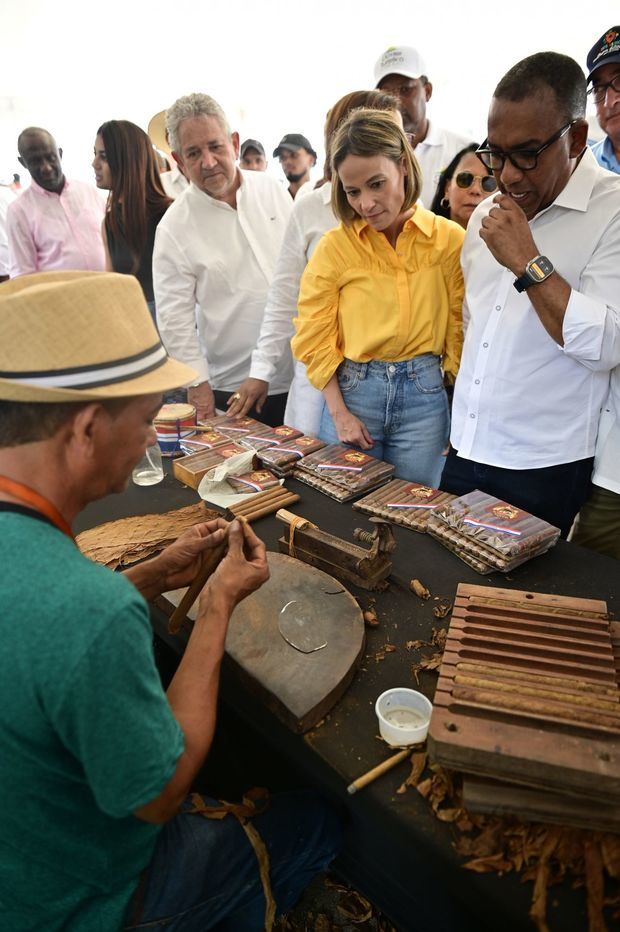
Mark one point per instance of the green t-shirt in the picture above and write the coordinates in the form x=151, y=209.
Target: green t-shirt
x=86, y=734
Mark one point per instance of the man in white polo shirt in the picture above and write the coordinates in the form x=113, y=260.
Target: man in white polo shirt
x=541, y=262
x=401, y=71
x=216, y=247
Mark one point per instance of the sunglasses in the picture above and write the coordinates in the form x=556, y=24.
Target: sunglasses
x=466, y=179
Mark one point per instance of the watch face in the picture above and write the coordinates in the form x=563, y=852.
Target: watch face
x=540, y=268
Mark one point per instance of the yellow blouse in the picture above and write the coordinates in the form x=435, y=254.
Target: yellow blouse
x=361, y=299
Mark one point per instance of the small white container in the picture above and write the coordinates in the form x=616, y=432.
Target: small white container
x=404, y=716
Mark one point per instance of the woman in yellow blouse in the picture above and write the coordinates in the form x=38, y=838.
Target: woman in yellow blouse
x=380, y=304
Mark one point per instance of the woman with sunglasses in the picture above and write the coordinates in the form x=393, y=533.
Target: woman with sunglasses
x=125, y=164
x=462, y=185
x=380, y=304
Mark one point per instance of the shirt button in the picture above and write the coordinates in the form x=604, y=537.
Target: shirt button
x=391, y=368
x=477, y=382
x=472, y=415
x=485, y=345
x=498, y=307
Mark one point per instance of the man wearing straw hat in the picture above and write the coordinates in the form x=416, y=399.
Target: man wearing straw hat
x=95, y=827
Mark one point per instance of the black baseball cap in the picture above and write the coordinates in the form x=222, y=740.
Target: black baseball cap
x=251, y=144
x=604, y=52
x=293, y=142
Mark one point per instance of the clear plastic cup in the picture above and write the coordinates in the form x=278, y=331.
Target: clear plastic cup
x=150, y=469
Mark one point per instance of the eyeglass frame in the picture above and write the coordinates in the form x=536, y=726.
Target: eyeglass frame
x=473, y=177
x=481, y=152
x=598, y=92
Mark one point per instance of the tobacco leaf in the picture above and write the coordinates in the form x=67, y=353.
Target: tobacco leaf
x=486, y=865
x=389, y=648
x=441, y=610
x=610, y=851
x=415, y=645
x=418, y=763
x=355, y=907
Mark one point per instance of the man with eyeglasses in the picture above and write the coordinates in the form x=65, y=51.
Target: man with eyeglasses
x=401, y=71
x=604, y=73
x=541, y=262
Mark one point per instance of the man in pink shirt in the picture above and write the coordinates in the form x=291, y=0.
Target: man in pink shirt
x=55, y=223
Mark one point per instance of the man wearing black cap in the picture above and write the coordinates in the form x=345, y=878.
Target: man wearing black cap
x=252, y=156
x=297, y=157
x=604, y=73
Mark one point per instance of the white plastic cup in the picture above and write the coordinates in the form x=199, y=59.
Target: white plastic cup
x=404, y=716
x=150, y=469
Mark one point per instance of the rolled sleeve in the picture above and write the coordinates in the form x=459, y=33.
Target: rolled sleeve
x=591, y=331
x=174, y=286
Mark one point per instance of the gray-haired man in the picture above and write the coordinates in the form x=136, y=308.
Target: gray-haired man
x=215, y=252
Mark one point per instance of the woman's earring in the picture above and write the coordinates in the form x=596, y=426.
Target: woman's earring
x=444, y=202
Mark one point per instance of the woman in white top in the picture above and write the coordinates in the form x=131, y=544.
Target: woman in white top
x=311, y=218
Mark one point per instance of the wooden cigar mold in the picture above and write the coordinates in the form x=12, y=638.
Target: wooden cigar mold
x=528, y=694
x=367, y=568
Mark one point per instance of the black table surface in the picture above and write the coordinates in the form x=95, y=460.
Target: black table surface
x=396, y=851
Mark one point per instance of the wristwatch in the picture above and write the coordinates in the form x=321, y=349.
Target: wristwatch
x=536, y=271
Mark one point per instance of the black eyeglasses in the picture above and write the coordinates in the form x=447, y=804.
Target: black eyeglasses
x=525, y=160
x=466, y=179
x=598, y=91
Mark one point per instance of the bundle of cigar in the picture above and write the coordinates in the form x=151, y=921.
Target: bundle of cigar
x=282, y=459
x=350, y=471
x=265, y=503
x=403, y=502
x=258, y=480
x=271, y=437
x=235, y=428
x=489, y=534
x=190, y=469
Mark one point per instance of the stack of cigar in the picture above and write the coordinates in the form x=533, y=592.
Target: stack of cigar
x=490, y=535
x=407, y=503
x=341, y=472
x=262, y=438
x=258, y=480
x=281, y=459
x=235, y=428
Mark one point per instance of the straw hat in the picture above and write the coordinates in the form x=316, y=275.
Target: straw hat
x=81, y=336
x=157, y=132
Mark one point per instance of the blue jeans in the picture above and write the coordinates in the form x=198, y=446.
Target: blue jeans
x=204, y=872
x=405, y=408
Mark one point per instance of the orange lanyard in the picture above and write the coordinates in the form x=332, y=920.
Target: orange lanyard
x=37, y=502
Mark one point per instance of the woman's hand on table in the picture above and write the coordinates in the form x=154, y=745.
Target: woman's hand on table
x=351, y=429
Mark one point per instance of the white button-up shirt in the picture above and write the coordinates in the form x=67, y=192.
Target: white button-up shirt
x=221, y=259
x=49, y=231
x=434, y=154
x=607, y=458
x=312, y=217
x=520, y=400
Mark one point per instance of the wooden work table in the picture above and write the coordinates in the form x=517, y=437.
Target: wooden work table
x=397, y=853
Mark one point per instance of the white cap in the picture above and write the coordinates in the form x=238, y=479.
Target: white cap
x=400, y=59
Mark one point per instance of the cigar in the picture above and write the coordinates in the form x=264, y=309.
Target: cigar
x=269, y=507
x=208, y=567
x=377, y=771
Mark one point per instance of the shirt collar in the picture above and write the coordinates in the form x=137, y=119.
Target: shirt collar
x=43, y=193
x=422, y=218
x=434, y=136
x=578, y=190
x=221, y=205
x=608, y=156
x=326, y=192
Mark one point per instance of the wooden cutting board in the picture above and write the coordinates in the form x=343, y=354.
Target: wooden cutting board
x=300, y=688
x=528, y=692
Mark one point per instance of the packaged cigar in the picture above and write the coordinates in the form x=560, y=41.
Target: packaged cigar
x=406, y=503
x=259, y=480
x=343, y=466
x=235, y=426
x=286, y=454
x=341, y=493
x=272, y=436
x=191, y=469
x=493, y=531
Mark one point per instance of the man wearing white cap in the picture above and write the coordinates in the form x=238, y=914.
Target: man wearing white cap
x=96, y=831
x=401, y=71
